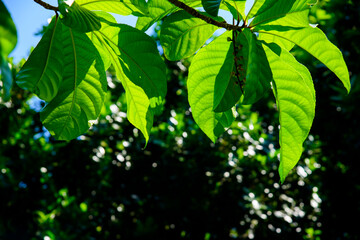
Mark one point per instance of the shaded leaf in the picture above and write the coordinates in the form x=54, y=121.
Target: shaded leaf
x=228, y=86
x=6, y=78
x=258, y=73
x=8, y=33
x=8, y=40
x=42, y=72
x=211, y=6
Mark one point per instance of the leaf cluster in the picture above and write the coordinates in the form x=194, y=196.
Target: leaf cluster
x=68, y=67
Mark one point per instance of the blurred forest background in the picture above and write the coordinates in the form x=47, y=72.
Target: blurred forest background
x=104, y=185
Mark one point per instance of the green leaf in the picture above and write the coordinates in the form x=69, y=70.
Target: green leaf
x=315, y=42
x=140, y=69
x=101, y=49
x=121, y=7
x=104, y=17
x=295, y=97
x=182, y=35
x=295, y=20
x=8, y=40
x=8, y=34
x=227, y=84
x=82, y=91
x=211, y=6
x=42, y=72
x=236, y=7
x=6, y=78
x=78, y=18
x=203, y=74
x=159, y=9
x=258, y=73
x=227, y=90
x=141, y=5
x=233, y=11
x=259, y=7
x=283, y=43
x=282, y=8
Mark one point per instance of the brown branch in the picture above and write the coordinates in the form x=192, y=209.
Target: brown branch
x=47, y=6
x=234, y=35
x=207, y=19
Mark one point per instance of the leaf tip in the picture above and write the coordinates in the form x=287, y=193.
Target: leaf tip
x=146, y=143
x=282, y=176
x=348, y=88
x=283, y=172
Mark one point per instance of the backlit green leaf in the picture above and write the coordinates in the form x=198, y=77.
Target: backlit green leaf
x=104, y=17
x=6, y=78
x=8, y=34
x=159, y=9
x=236, y=15
x=203, y=74
x=81, y=94
x=101, y=48
x=182, y=35
x=141, y=5
x=295, y=20
x=295, y=97
x=140, y=69
x=314, y=41
x=259, y=7
x=121, y=7
x=78, y=18
x=8, y=40
x=237, y=8
x=283, y=43
x=211, y=6
x=42, y=72
x=282, y=8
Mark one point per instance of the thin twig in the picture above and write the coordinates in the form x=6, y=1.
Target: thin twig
x=207, y=19
x=47, y=6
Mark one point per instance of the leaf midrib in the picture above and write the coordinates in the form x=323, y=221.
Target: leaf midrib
x=188, y=30
x=275, y=17
x=48, y=54
x=98, y=1
x=75, y=88
x=252, y=7
x=133, y=60
x=119, y=67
